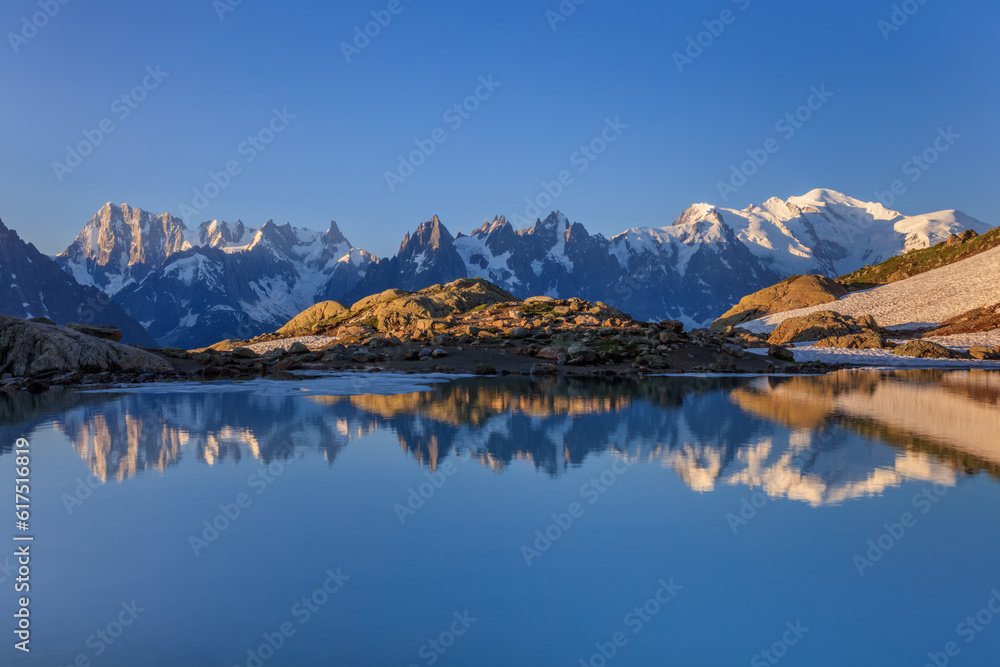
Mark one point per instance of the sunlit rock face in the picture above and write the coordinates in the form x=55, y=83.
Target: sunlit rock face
x=817, y=440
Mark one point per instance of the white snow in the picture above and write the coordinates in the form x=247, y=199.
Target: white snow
x=822, y=231
x=420, y=260
x=928, y=298
x=497, y=266
x=188, y=269
x=189, y=320
x=312, y=342
x=675, y=245
x=965, y=341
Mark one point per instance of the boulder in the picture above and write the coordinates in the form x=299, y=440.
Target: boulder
x=673, y=326
x=585, y=358
x=927, y=350
x=244, y=353
x=297, y=348
x=734, y=350
x=780, y=353
x=862, y=341
x=984, y=353
x=365, y=357
x=791, y=294
x=868, y=322
x=814, y=326
x=28, y=349
x=97, y=331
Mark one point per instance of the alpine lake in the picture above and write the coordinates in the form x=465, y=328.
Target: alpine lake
x=384, y=519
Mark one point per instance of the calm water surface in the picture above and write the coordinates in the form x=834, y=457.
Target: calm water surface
x=840, y=520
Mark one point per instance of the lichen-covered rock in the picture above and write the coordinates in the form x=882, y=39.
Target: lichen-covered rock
x=791, y=294
x=861, y=341
x=28, y=349
x=395, y=309
x=926, y=349
x=321, y=312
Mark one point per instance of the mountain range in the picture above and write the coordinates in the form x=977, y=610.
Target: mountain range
x=193, y=287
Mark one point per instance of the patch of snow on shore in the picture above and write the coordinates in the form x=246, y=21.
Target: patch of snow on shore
x=312, y=342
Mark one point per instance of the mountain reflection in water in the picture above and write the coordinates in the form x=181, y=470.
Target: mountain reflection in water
x=817, y=439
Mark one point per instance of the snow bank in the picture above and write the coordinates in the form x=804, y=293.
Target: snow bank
x=883, y=359
x=312, y=342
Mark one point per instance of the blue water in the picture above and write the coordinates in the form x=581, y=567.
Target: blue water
x=666, y=521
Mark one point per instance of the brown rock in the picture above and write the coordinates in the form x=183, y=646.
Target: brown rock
x=812, y=327
x=673, y=326
x=984, y=353
x=321, y=312
x=861, y=341
x=867, y=322
x=926, y=349
x=791, y=294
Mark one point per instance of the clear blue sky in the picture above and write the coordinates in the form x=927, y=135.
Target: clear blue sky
x=607, y=60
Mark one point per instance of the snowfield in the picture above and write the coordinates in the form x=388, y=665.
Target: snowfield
x=927, y=299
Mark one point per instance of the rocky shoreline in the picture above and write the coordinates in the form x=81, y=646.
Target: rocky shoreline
x=466, y=327
x=469, y=327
